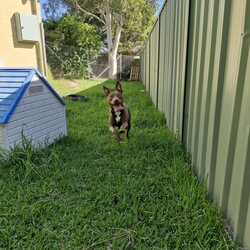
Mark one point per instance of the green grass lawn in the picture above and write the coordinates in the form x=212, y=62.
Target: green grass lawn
x=66, y=87
x=88, y=192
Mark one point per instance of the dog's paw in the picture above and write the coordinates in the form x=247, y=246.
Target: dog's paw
x=121, y=131
x=117, y=137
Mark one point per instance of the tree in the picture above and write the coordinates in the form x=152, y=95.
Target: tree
x=74, y=41
x=134, y=34
x=117, y=16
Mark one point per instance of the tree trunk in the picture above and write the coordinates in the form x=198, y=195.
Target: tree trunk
x=113, y=52
x=112, y=65
x=112, y=45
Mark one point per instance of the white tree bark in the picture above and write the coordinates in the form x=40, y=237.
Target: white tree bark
x=112, y=45
x=113, y=53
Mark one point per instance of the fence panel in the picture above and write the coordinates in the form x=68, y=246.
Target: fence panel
x=153, y=58
x=234, y=152
x=162, y=77
x=202, y=52
x=169, y=36
x=147, y=64
x=142, y=67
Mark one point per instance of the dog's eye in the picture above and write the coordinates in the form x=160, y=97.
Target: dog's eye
x=111, y=97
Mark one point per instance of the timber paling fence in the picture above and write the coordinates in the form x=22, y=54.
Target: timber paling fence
x=196, y=67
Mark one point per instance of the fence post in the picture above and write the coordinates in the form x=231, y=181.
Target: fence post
x=88, y=65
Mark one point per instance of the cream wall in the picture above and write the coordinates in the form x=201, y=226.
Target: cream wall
x=12, y=52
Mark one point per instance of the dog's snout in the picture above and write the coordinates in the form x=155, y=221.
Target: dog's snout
x=116, y=102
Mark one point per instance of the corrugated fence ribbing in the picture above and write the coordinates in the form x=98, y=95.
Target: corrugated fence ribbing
x=196, y=67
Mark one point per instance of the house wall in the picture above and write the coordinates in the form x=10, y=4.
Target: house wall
x=39, y=116
x=20, y=54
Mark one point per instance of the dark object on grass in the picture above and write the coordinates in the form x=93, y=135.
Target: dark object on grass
x=76, y=98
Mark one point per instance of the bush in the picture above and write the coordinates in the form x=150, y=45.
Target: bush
x=70, y=42
x=66, y=61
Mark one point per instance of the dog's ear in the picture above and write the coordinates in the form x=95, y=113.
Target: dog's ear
x=118, y=86
x=106, y=91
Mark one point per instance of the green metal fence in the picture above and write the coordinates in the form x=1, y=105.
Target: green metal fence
x=196, y=67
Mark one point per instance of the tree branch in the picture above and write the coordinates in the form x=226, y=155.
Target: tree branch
x=108, y=25
x=88, y=13
x=102, y=12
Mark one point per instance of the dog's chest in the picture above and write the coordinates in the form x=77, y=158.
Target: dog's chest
x=118, y=116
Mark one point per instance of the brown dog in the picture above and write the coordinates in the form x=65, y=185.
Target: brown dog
x=119, y=114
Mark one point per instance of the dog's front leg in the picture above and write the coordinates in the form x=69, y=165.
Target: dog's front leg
x=123, y=128
x=116, y=135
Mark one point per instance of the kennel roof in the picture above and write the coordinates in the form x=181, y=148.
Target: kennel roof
x=13, y=84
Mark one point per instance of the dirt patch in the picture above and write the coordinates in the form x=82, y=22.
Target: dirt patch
x=74, y=84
